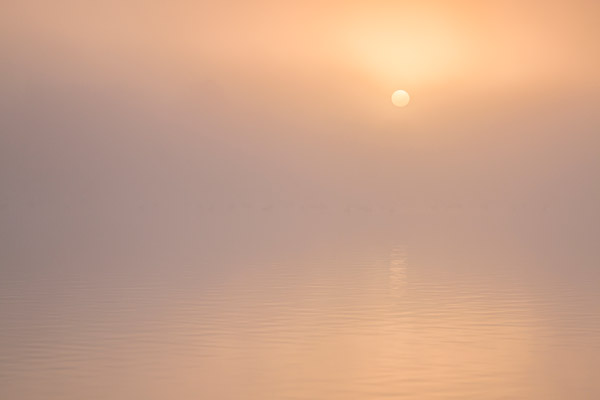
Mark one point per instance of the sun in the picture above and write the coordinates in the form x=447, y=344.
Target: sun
x=400, y=98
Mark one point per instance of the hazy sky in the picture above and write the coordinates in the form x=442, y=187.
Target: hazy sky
x=114, y=106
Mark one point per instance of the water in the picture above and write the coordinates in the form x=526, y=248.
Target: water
x=305, y=304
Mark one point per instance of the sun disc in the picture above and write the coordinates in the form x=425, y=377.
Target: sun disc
x=400, y=98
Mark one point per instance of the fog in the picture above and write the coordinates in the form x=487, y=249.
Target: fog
x=218, y=199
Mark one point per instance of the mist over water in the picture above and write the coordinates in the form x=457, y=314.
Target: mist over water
x=302, y=304
x=197, y=203
x=186, y=256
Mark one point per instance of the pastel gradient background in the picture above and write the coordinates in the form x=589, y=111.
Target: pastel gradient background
x=217, y=200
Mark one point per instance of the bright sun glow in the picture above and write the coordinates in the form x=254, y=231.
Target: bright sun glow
x=415, y=45
x=400, y=98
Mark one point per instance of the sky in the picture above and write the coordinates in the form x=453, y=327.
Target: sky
x=116, y=115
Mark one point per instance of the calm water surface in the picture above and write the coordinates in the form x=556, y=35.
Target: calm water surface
x=273, y=306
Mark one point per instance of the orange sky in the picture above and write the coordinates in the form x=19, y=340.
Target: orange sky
x=425, y=43
x=300, y=92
